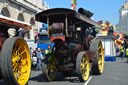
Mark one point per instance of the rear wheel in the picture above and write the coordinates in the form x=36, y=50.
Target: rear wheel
x=15, y=61
x=49, y=70
x=98, y=63
x=82, y=66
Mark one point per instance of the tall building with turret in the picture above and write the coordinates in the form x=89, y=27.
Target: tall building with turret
x=123, y=19
x=23, y=10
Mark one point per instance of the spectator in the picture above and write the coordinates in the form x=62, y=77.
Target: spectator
x=122, y=51
x=34, y=60
x=127, y=54
x=47, y=50
x=36, y=50
x=39, y=59
x=21, y=32
x=31, y=51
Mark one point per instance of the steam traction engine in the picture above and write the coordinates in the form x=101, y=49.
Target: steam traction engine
x=76, y=49
x=15, y=60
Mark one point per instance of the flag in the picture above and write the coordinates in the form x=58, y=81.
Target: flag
x=73, y=5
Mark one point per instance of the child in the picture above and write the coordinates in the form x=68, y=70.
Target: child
x=34, y=60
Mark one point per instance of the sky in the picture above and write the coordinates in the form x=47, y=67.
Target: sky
x=102, y=9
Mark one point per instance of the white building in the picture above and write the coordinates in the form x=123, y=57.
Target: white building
x=23, y=10
x=123, y=20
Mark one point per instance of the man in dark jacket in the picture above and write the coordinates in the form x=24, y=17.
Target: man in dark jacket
x=21, y=32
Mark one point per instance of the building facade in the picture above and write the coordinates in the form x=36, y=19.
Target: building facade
x=23, y=10
x=123, y=19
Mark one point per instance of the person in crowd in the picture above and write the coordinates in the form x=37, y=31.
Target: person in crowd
x=21, y=32
x=122, y=51
x=31, y=51
x=48, y=55
x=39, y=59
x=47, y=50
x=34, y=60
x=126, y=54
x=36, y=50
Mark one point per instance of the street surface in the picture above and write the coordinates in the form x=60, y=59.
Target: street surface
x=115, y=73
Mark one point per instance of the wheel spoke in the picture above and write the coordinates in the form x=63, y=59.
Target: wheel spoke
x=84, y=73
x=21, y=53
x=18, y=48
x=14, y=68
x=82, y=66
x=100, y=54
x=99, y=47
x=50, y=76
x=16, y=58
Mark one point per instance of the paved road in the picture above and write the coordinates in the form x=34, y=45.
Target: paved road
x=115, y=73
x=37, y=79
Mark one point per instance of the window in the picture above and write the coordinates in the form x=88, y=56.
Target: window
x=5, y=12
x=20, y=17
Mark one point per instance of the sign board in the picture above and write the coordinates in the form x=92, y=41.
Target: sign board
x=107, y=47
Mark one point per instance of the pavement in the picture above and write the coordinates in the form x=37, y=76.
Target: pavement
x=37, y=79
x=115, y=73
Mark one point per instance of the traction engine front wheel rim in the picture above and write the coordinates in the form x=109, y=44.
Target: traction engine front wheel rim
x=85, y=67
x=100, y=57
x=21, y=63
x=82, y=66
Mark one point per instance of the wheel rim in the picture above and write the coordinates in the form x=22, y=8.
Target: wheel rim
x=21, y=62
x=85, y=67
x=51, y=69
x=100, y=57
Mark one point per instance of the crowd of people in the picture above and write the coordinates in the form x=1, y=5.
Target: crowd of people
x=36, y=58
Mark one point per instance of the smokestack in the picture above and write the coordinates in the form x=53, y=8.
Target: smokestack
x=85, y=12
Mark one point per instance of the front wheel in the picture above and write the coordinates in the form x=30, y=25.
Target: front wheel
x=15, y=61
x=82, y=66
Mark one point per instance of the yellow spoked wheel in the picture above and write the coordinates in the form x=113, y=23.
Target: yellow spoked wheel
x=98, y=63
x=82, y=66
x=49, y=70
x=100, y=57
x=16, y=61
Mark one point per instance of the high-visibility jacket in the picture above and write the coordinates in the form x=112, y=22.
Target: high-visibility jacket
x=46, y=51
x=50, y=56
x=126, y=51
x=121, y=49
